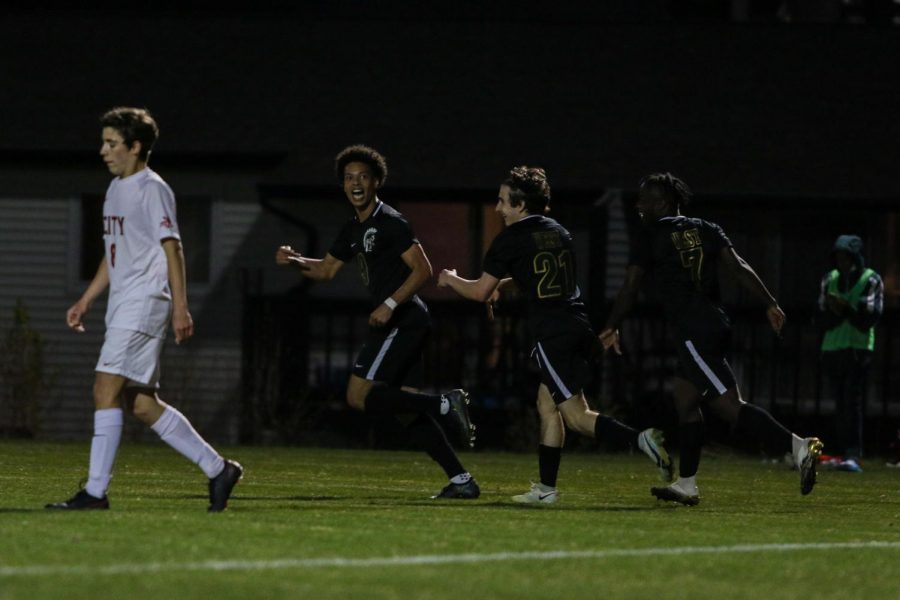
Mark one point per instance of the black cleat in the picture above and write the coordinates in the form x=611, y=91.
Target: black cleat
x=459, y=417
x=81, y=501
x=674, y=493
x=465, y=491
x=808, y=458
x=221, y=485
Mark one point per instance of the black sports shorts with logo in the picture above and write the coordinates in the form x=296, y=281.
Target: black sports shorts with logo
x=702, y=360
x=565, y=359
x=393, y=354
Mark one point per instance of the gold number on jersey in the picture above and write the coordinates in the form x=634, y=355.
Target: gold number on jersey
x=693, y=259
x=690, y=248
x=557, y=273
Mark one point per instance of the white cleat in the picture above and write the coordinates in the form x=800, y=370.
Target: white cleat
x=676, y=493
x=538, y=494
x=650, y=441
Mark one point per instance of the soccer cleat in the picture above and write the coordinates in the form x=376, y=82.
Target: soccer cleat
x=807, y=458
x=81, y=501
x=650, y=441
x=675, y=493
x=464, y=491
x=221, y=485
x=538, y=494
x=459, y=416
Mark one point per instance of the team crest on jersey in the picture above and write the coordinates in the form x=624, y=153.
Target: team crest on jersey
x=369, y=239
x=166, y=222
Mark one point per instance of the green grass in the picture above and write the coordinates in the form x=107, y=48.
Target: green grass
x=299, y=504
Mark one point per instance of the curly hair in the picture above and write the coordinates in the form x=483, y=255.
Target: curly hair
x=134, y=125
x=363, y=154
x=529, y=185
x=669, y=187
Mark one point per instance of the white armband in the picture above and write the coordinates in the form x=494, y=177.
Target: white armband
x=391, y=303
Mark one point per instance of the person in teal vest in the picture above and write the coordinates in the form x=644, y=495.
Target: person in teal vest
x=851, y=300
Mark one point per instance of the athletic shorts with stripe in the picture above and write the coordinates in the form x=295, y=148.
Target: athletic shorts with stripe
x=131, y=354
x=702, y=360
x=565, y=362
x=393, y=354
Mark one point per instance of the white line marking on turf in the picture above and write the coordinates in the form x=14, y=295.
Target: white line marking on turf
x=436, y=559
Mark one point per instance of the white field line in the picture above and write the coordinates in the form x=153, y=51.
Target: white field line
x=436, y=559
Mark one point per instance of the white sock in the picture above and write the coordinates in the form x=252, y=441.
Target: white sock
x=688, y=484
x=104, y=445
x=175, y=430
x=797, y=443
x=461, y=478
x=445, y=405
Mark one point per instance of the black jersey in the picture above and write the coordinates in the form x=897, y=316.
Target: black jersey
x=377, y=243
x=539, y=254
x=681, y=256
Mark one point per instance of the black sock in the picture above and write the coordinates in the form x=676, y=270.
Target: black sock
x=690, y=440
x=393, y=400
x=757, y=424
x=615, y=434
x=425, y=434
x=548, y=463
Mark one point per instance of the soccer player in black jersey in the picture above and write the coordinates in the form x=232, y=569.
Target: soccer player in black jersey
x=538, y=255
x=393, y=266
x=683, y=253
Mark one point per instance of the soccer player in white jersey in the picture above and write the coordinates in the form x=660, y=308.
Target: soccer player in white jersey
x=144, y=269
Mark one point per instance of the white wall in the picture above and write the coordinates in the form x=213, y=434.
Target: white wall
x=39, y=257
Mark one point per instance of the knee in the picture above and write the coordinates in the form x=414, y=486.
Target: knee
x=142, y=412
x=580, y=423
x=690, y=414
x=104, y=400
x=728, y=406
x=356, y=398
x=584, y=426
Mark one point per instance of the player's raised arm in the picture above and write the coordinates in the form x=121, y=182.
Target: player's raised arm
x=320, y=269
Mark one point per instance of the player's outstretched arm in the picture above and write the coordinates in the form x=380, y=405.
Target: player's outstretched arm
x=625, y=300
x=182, y=322
x=320, y=269
x=76, y=312
x=479, y=290
x=749, y=280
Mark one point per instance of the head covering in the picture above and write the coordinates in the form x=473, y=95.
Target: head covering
x=852, y=245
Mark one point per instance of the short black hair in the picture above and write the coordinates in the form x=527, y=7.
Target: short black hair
x=134, y=125
x=529, y=185
x=669, y=187
x=363, y=154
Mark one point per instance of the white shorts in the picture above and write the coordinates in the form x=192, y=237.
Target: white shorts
x=133, y=355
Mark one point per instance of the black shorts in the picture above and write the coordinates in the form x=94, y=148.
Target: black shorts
x=702, y=360
x=565, y=361
x=393, y=354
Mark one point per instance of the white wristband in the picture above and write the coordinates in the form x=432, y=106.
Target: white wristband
x=391, y=303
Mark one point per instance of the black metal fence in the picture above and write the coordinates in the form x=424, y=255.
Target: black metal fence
x=299, y=351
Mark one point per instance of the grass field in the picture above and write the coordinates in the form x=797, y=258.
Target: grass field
x=309, y=523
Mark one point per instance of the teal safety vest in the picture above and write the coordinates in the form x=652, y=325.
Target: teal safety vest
x=845, y=335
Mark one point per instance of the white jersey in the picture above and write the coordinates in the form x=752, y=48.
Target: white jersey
x=139, y=212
